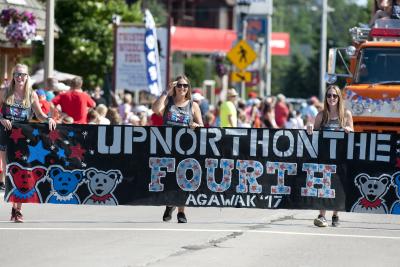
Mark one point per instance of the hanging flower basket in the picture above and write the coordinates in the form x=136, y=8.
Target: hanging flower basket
x=20, y=26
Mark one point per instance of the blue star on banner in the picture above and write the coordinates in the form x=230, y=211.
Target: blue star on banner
x=37, y=153
x=35, y=132
x=71, y=134
x=61, y=153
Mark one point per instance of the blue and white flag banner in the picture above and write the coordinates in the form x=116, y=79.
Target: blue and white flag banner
x=152, y=56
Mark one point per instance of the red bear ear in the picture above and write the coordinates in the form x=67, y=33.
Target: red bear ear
x=38, y=173
x=14, y=169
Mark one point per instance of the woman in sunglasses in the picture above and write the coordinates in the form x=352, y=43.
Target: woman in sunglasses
x=333, y=117
x=177, y=109
x=17, y=102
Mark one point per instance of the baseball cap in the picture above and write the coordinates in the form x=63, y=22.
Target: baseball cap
x=252, y=94
x=197, y=97
x=40, y=92
x=198, y=91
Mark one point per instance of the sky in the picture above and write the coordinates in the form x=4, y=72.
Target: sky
x=361, y=2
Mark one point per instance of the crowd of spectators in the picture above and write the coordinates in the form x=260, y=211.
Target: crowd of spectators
x=61, y=102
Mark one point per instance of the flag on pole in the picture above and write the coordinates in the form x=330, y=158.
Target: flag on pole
x=152, y=56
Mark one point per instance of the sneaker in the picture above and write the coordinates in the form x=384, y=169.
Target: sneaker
x=18, y=217
x=12, y=214
x=320, y=221
x=335, y=221
x=181, y=217
x=2, y=186
x=168, y=213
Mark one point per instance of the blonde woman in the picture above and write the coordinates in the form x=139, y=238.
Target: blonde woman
x=17, y=102
x=177, y=108
x=334, y=117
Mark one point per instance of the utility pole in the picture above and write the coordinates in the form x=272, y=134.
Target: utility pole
x=49, y=45
x=322, y=67
x=268, y=50
x=244, y=29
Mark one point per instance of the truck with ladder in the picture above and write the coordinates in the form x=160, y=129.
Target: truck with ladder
x=372, y=90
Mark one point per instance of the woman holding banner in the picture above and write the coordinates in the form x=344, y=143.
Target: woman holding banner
x=17, y=102
x=178, y=109
x=334, y=117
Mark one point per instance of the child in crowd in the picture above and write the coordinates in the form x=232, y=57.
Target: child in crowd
x=93, y=117
x=242, y=120
x=102, y=110
x=125, y=109
x=44, y=104
x=67, y=120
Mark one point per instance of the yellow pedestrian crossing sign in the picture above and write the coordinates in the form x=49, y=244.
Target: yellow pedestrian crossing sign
x=240, y=76
x=242, y=55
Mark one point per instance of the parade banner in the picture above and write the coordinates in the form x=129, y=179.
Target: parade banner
x=205, y=167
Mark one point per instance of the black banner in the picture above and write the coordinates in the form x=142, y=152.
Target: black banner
x=207, y=167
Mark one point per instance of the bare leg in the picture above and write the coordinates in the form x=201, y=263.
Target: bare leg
x=18, y=215
x=181, y=215
x=181, y=209
x=322, y=212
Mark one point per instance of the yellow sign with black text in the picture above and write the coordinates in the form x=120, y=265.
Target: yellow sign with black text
x=241, y=76
x=242, y=55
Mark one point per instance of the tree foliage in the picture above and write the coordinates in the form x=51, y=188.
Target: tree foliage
x=195, y=68
x=85, y=44
x=298, y=74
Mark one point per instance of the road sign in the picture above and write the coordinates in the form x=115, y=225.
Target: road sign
x=242, y=55
x=259, y=7
x=241, y=76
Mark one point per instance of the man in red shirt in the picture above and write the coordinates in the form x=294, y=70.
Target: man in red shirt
x=75, y=102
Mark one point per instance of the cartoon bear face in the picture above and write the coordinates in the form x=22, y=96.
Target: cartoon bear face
x=372, y=188
x=64, y=182
x=396, y=182
x=25, y=179
x=102, y=183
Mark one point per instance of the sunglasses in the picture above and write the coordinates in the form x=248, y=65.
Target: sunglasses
x=182, y=85
x=334, y=96
x=20, y=74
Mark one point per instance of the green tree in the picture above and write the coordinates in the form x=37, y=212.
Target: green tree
x=298, y=74
x=158, y=10
x=195, y=70
x=85, y=43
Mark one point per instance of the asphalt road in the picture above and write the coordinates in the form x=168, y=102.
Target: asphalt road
x=69, y=235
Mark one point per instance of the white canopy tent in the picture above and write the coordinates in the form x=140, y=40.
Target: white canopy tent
x=38, y=77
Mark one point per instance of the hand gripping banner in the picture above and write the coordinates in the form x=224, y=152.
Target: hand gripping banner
x=206, y=167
